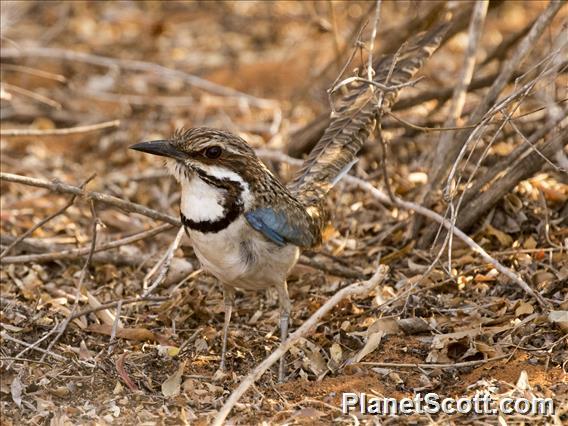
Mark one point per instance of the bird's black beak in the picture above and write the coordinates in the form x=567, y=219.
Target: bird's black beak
x=163, y=148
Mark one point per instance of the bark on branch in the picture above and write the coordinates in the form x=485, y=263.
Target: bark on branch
x=64, y=188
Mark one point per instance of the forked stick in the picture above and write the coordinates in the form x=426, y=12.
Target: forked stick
x=278, y=156
x=64, y=188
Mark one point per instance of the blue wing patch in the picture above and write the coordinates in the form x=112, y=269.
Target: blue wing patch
x=275, y=226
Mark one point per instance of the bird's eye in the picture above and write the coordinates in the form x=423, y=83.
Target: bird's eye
x=213, y=152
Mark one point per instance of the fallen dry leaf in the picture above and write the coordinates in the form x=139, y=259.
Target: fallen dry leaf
x=123, y=374
x=16, y=390
x=171, y=386
x=138, y=333
x=372, y=343
x=504, y=239
x=559, y=318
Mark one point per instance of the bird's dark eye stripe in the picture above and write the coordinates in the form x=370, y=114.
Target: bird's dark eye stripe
x=213, y=152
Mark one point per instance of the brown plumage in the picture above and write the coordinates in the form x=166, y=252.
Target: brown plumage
x=356, y=116
x=238, y=156
x=246, y=227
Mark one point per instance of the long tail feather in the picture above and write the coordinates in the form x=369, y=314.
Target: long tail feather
x=356, y=116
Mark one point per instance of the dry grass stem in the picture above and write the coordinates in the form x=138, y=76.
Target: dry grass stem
x=429, y=214
x=133, y=65
x=163, y=265
x=43, y=221
x=60, y=132
x=75, y=253
x=82, y=277
x=63, y=188
x=32, y=346
x=426, y=366
x=356, y=289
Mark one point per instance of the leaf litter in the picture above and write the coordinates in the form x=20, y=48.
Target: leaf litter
x=161, y=365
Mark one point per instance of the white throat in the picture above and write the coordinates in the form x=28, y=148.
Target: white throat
x=200, y=200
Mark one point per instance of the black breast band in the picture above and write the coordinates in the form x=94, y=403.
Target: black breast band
x=232, y=205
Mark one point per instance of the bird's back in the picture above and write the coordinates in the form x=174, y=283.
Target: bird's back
x=356, y=116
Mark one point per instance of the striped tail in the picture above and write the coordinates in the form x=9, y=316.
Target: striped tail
x=356, y=116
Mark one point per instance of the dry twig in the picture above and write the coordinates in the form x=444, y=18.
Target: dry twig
x=163, y=264
x=32, y=95
x=84, y=271
x=32, y=346
x=456, y=231
x=526, y=167
x=75, y=253
x=515, y=168
x=6, y=336
x=458, y=99
x=356, y=289
x=443, y=366
x=278, y=156
x=133, y=65
x=440, y=168
x=44, y=221
x=337, y=270
x=108, y=305
x=63, y=188
x=112, y=340
x=35, y=72
x=60, y=132
x=370, y=70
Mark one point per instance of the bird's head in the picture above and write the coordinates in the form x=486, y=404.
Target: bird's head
x=204, y=151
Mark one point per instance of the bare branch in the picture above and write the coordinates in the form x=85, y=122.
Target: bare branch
x=278, y=156
x=519, y=54
x=370, y=70
x=44, y=221
x=75, y=253
x=456, y=231
x=521, y=51
x=527, y=166
x=458, y=100
x=63, y=188
x=133, y=65
x=60, y=132
x=356, y=289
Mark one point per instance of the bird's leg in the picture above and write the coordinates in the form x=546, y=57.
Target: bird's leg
x=285, y=308
x=228, y=299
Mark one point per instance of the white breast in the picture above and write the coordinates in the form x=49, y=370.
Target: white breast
x=237, y=255
x=219, y=253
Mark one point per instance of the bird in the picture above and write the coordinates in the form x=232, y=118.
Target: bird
x=247, y=228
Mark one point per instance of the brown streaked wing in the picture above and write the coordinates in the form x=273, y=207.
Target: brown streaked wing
x=355, y=118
